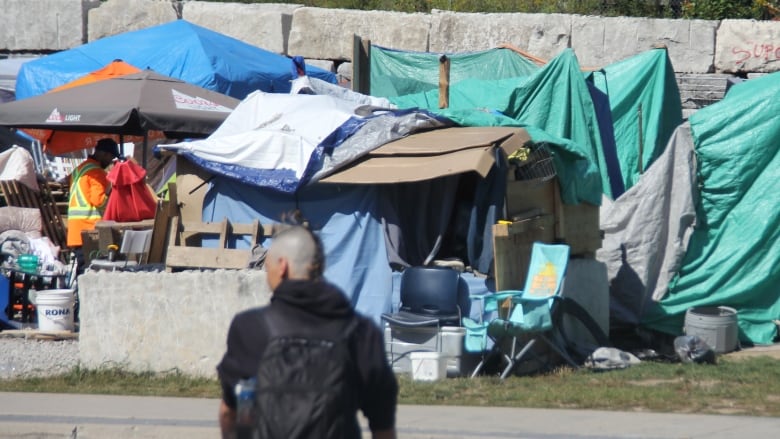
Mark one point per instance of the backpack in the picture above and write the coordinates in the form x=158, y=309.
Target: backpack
x=306, y=386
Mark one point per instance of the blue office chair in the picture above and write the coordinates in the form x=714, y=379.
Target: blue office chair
x=429, y=299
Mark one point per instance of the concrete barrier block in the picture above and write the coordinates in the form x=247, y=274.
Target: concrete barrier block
x=118, y=16
x=600, y=41
x=542, y=35
x=748, y=46
x=44, y=24
x=328, y=33
x=263, y=25
x=324, y=64
x=161, y=322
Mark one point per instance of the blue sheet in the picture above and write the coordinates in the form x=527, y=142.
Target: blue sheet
x=343, y=216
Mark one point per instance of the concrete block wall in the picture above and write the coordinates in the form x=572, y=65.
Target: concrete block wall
x=43, y=25
x=262, y=25
x=163, y=322
x=695, y=46
x=117, y=16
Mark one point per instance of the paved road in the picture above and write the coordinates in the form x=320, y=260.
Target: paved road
x=36, y=415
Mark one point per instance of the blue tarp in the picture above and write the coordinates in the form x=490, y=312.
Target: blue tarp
x=346, y=218
x=178, y=49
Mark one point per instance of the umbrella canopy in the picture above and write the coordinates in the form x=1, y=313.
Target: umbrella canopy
x=59, y=142
x=180, y=49
x=128, y=105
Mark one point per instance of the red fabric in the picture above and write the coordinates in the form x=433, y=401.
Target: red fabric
x=130, y=198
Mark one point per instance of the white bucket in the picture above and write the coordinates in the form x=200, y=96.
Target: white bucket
x=428, y=366
x=55, y=309
x=716, y=325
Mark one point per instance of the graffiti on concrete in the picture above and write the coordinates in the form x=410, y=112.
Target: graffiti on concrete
x=766, y=52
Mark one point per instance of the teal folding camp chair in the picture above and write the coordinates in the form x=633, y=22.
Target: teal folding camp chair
x=529, y=313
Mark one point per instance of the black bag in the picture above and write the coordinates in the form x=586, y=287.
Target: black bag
x=306, y=387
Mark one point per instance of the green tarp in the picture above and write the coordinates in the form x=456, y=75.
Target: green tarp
x=396, y=73
x=646, y=108
x=733, y=258
x=553, y=103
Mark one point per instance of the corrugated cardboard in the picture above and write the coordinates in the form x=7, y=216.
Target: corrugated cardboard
x=432, y=154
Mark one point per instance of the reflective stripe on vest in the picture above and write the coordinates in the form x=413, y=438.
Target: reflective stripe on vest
x=78, y=207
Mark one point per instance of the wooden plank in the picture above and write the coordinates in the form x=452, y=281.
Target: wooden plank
x=224, y=232
x=198, y=257
x=444, y=81
x=160, y=233
x=237, y=229
x=512, y=249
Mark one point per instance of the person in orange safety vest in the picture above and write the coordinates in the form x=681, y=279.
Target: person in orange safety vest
x=89, y=191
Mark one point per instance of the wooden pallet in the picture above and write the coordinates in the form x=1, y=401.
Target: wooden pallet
x=18, y=195
x=185, y=251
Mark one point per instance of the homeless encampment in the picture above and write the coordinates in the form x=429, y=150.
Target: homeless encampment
x=434, y=195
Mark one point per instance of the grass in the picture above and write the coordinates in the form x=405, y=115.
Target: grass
x=749, y=386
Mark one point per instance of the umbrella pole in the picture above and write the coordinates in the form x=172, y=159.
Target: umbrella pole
x=146, y=141
x=122, y=145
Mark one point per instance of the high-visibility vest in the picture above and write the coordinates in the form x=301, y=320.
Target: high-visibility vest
x=78, y=206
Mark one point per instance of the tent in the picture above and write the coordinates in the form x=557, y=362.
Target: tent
x=398, y=73
x=388, y=189
x=645, y=106
x=555, y=99
x=178, y=49
x=701, y=227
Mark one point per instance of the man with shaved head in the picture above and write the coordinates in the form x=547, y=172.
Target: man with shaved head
x=313, y=319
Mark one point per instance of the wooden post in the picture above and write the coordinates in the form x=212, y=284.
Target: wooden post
x=444, y=81
x=361, y=65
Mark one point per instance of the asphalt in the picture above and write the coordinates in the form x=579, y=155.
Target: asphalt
x=40, y=415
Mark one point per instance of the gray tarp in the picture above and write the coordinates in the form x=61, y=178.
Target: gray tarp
x=646, y=230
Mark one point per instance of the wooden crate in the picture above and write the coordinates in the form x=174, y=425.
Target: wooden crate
x=575, y=225
x=512, y=249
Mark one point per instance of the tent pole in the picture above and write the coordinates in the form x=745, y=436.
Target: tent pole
x=640, y=168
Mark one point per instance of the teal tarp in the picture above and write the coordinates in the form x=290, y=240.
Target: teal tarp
x=733, y=258
x=553, y=103
x=647, y=82
x=396, y=73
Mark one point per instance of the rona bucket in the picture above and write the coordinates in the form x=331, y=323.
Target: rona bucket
x=55, y=309
x=716, y=325
x=428, y=366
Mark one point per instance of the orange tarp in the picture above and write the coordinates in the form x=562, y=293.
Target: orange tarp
x=61, y=142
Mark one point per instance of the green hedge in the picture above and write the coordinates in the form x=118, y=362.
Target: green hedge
x=704, y=9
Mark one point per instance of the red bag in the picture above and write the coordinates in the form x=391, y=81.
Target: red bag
x=130, y=199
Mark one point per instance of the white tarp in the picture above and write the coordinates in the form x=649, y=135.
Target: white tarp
x=272, y=131
x=647, y=229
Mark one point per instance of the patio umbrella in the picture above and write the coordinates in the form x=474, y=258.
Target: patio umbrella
x=126, y=105
x=59, y=142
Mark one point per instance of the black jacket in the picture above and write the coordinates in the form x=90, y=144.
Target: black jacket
x=316, y=308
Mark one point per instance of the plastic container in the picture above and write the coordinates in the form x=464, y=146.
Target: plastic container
x=428, y=366
x=27, y=262
x=55, y=309
x=716, y=325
